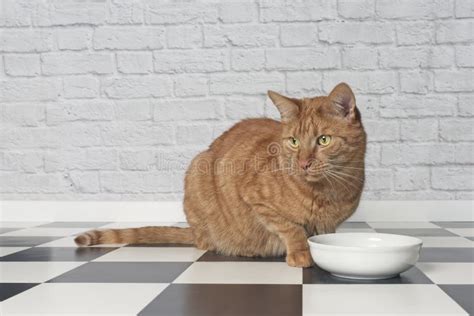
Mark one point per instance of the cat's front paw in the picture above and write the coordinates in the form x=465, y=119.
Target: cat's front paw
x=300, y=259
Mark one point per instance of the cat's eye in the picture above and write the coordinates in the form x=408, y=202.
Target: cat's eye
x=324, y=140
x=294, y=143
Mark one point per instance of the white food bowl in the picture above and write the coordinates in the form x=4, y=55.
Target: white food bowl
x=367, y=256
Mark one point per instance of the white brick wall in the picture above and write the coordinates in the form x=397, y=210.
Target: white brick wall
x=111, y=99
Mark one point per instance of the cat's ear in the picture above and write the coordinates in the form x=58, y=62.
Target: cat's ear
x=289, y=108
x=343, y=99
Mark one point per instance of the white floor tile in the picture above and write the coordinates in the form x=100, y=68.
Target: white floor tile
x=153, y=254
x=136, y=224
x=382, y=225
x=355, y=230
x=241, y=273
x=448, y=272
x=20, y=224
x=466, y=232
x=46, y=231
x=446, y=242
x=32, y=272
x=69, y=242
x=4, y=251
x=83, y=298
x=379, y=299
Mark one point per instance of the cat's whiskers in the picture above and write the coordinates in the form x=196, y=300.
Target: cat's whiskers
x=343, y=174
x=335, y=175
x=340, y=181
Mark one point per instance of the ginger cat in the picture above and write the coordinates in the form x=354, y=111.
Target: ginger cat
x=264, y=186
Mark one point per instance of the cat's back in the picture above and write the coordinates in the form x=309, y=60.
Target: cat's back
x=246, y=138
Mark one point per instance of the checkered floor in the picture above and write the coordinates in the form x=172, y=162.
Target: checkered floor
x=42, y=272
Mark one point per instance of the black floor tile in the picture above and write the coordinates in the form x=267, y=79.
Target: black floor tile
x=354, y=225
x=4, y=230
x=227, y=299
x=470, y=238
x=416, y=231
x=212, y=256
x=455, y=224
x=447, y=255
x=124, y=272
x=58, y=254
x=8, y=290
x=463, y=294
x=76, y=224
x=316, y=275
x=26, y=241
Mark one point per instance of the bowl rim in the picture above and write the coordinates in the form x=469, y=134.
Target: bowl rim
x=417, y=242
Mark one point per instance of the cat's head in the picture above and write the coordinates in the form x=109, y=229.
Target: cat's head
x=322, y=137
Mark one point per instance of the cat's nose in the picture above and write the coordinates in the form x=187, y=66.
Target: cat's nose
x=304, y=164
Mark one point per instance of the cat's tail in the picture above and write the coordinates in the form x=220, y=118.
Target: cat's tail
x=141, y=235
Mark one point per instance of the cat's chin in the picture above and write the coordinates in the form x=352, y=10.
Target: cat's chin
x=313, y=178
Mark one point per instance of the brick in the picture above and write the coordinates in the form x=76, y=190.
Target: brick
x=356, y=32
x=74, y=38
x=368, y=105
x=128, y=38
x=177, y=159
x=77, y=63
x=138, y=182
x=238, y=11
x=417, y=105
x=190, y=109
x=419, y=82
x=190, y=85
x=441, y=57
x=85, y=182
x=245, y=35
x=464, y=9
x=246, y=83
x=125, y=12
x=165, y=12
x=464, y=153
x=376, y=82
x=185, y=36
x=26, y=40
x=133, y=110
x=459, y=31
x=25, y=161
x=457, y=130
x=415, y=195
x=378, y=179
x=293, y=34
x=244, y=107
x=34, y=89
x=304, y=83
x=137, y=134
x=453, y=81
x=452, y=178
x=350, y=9
x=17, y=12
x=247, y=59
x=415, y=33
x=305, y=10
x=464, y=56
x=69, y=12
x=419, y=130
x=417, y=154
x=24, y=65
x=466, y=105
x=86, y=110
x=382, y=130
x=137, y=160
x=80, y=159
x=302, y=58
x=135, y=62
x=372, y=155
x=359, y=58
x=137, y=87
x=413, y=9
x=403, y=57
x=193, y=134
x=41, y=183
x=23, y=114
x=80, y=87
x=411, y=179
x=189, y=61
